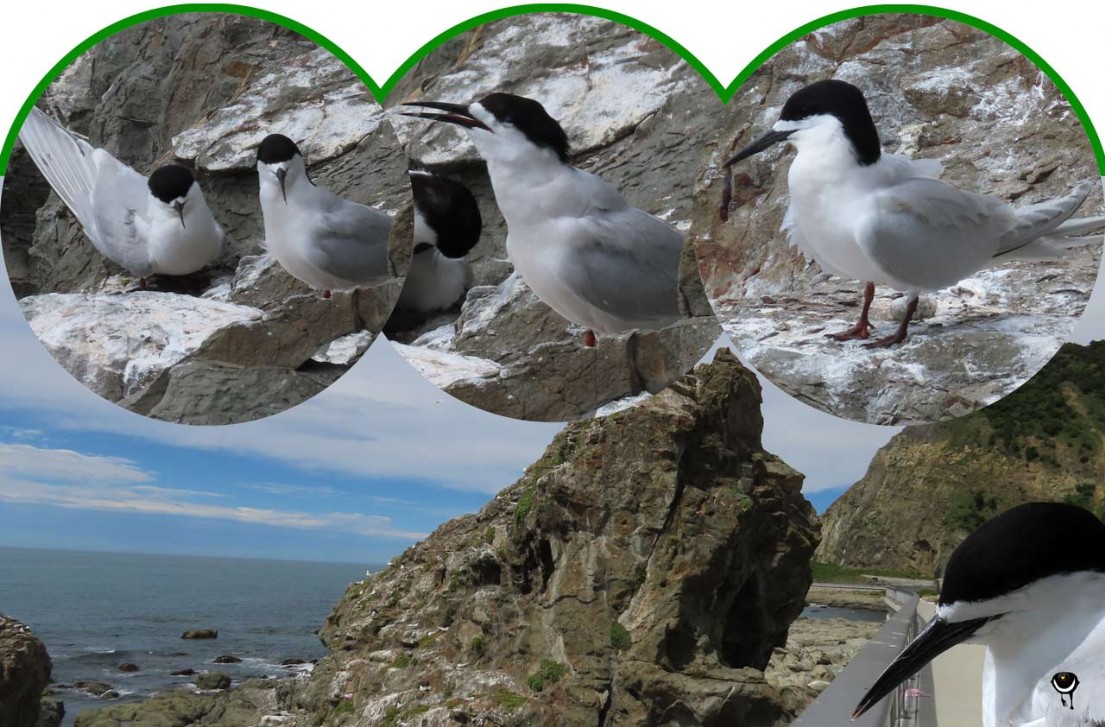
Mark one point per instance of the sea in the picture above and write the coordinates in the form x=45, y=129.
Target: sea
x=95, y=611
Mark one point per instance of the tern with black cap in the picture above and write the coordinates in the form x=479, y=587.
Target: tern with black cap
x=326, y=241
x=447, y=225
x=578, y=244
x=886, y=220
x=156, y=226
x=1029, y=584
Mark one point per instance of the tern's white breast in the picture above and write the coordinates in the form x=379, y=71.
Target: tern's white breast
x=828, y=200
x=177, y=249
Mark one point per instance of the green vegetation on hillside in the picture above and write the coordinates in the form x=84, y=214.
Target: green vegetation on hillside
x=967, y=510
x=1063, y=404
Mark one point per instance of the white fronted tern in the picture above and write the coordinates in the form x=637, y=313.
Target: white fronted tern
x=885, y=219
x=447, y=225
x=579, y=245
x=1029, y=584
x=324, y=240
x=156, y=226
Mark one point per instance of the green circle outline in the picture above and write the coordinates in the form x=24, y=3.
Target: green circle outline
x=725, y=93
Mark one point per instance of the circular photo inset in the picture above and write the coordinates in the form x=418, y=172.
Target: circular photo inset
x=197, y=218
x=902, y=222
x=553, y=162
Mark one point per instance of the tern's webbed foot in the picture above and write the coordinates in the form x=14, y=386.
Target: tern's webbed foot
x=887, y=341
x=861, y=330
x=589, y=339
x=326, y=295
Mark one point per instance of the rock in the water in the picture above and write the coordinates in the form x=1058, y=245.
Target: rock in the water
x=243, y=706
x=213, y=680
x=226, y=659
x=96, y=689
x=129, y=667
x=939, y=90
x=632, y=110
x=182, y=673
x=24, y=675
x=200, y=634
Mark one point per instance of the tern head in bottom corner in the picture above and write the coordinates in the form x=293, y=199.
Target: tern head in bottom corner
x=1028, y=584
x=504, y=127
x=280, y=168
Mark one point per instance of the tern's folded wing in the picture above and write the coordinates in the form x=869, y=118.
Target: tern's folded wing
x=351, y=243
x=120, y=197
x=626, y=265
x=926, y=235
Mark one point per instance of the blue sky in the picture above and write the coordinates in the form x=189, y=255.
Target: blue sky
x=356, y=474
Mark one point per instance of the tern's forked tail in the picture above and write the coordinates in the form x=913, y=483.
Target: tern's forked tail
x=64, y=159
x=1045, y=230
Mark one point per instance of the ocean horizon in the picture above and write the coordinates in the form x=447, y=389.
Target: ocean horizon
x=97, y=610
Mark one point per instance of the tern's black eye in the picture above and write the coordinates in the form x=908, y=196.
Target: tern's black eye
x=1064, y=682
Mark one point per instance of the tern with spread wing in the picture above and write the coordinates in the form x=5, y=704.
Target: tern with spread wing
x=156, y=226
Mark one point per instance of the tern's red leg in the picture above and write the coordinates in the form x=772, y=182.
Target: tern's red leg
x=326, y=295
x=142, y=283
x=589, y=339
x=863, y=327
x=903, y=328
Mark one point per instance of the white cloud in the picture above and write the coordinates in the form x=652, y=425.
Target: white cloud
x=30, y=476
x=23, y=461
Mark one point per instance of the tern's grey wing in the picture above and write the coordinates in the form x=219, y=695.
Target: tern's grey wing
x=119, y=201
x=927, y=235
x=351, y=242
x=626, y=264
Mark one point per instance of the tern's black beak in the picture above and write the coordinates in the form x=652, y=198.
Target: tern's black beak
x=938, y=637
x=769, y=139
x=454, y=114
x=179, y=207
x=281, y=174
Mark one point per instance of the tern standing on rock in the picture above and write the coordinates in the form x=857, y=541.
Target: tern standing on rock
x=156, y=226
x=327, y=242
x=886, y=220
x=579, y=245
x=1030, y=585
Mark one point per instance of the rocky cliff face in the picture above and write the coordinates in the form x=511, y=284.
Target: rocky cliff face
x=641, y=572
x=937, y=90
x=203, y=89
x=931, y=485
x=633, y=112
x=24, y=675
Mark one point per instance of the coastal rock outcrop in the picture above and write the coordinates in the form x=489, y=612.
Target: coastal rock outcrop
x=930, y=486
x=642, y=571
x=24, y=676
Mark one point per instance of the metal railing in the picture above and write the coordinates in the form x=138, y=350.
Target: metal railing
x=908, y=706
